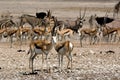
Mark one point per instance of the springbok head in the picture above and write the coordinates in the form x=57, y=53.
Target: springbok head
x=5, y=33
x=81, y=19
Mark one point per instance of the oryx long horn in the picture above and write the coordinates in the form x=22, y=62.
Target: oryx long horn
x=105, y=16
x=80, y=14
x=84, y=13
x=106, y=13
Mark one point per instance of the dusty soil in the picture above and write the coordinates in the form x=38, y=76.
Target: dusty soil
x=90, y=62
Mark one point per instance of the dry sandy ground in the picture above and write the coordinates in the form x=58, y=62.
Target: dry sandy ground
x=91, y=62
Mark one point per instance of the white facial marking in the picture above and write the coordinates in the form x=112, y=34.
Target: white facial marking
x=79, y=33
x=54, y=38
x=21, y=32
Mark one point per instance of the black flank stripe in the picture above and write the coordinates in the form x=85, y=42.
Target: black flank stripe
x=38, y=47
x=60, y=47
x=66, y=32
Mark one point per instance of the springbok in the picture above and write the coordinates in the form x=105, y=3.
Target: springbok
x=63, y=33
x=10, y=33
x=1, y=32
x=38, y=32
x=44, y=46
x=112, y=27
x=23, y=33
x=63, y=48
x=43, y=31
x=39, y=47
x=117, y=37
x=15, y=32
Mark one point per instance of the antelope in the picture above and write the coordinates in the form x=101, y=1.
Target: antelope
x=118, y=34
x=4, y=23
x=10, y=33
x=108, y=32
x=42, y=47
x=18, y=33
x=64, y=32
x=107, y=26
x=110, y=25
x=38, y=32
x=78, y=22
x=63, y=48
x=37, y=47
x=23, y=32
x=50, y=25
x=75, y=26
x=1, y=32
x=41, y=31
x=92, y=32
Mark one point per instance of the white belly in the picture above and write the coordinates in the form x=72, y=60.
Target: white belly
x=61, y=51
x=38, y=51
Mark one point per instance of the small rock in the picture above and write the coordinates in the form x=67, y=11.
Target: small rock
x=110, y=51
x=80, y=78
x=91, y=51
x=49, y=78
x=74, y=54
x=31, y=73
x=70, y=78
x=100, y=52
x=20, y=50
x=116, y=75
